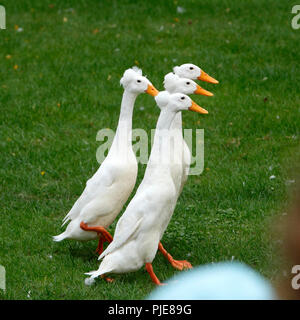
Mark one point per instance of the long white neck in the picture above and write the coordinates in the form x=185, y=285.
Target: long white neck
x=165, y=120
x=160, y=151
x=123, y=135
x=177, y=122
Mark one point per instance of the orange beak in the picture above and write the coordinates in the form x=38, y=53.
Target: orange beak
x=205, y=77
x=151, y=90
x=202, y=91
x=196, y=108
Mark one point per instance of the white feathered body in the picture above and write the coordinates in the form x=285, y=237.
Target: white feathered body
x=107, y=191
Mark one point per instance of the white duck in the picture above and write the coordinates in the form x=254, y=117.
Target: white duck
x=109, y=188
x=139, y=230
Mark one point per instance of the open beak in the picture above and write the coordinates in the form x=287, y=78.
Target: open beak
x=203, y=92
x=205, y=77
x=196, y=108
x=151, y=90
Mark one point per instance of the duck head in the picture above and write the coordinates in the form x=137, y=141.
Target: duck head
x=176, y=102
x=191, y=71
x=134, y=81
x=173, y=83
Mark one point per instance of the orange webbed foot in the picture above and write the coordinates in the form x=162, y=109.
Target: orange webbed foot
x=181, y=264
x=177, y=264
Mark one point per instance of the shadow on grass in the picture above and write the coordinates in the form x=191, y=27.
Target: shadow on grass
x=82, y=251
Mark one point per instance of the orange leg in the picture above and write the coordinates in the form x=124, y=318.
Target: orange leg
x=107, y=236
x=107, y=279
x=99, y=249
x=178, y=264
x=154, y=278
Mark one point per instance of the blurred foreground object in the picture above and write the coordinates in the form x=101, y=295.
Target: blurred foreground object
x=289, y=286
x=218, y=281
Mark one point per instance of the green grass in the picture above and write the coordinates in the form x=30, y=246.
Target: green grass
x=253, y=124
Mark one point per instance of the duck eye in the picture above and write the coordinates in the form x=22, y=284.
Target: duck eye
x=188, y=83
x=191, y=68
x=138, y=81
x=182, y=98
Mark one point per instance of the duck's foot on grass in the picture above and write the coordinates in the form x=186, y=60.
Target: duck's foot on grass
x=180, y=264
x=177, y=264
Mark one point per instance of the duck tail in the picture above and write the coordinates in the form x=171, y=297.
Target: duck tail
x=94, y=274
x=60, y=237
x=65, y=220
x=105, y=267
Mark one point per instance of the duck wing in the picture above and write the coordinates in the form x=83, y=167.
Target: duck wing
x=100, y=181
x=126, y=228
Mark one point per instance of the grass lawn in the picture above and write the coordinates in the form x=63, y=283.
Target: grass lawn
x=59, y=85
